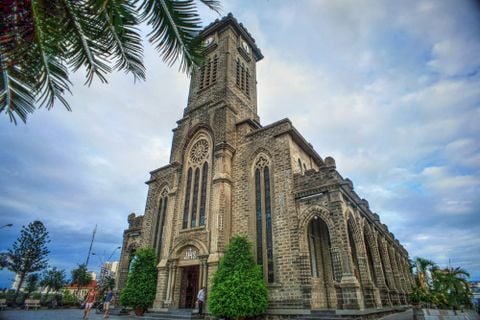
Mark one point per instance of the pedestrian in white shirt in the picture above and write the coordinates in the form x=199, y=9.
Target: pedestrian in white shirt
x=201, y=300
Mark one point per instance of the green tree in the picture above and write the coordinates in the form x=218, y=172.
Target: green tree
x=29, y=252
x=43, y=40
x=139, y=291
x=53, y=279
x=238, y=288
x=3, y=260
x=452, y=283
x=80, y=276
x=32, y=282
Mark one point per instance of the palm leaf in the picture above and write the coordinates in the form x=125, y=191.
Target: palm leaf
x=213, y=5
x=34, y=71
x=84, y=39
x=50, y=73
x=121, y=35
x=175, y=25
x=16, y=97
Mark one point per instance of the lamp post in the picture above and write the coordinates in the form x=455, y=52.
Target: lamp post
x=113, y=252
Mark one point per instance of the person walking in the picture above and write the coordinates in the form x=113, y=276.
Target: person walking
x=106, y=303
x=89, y=300
x=201, y=300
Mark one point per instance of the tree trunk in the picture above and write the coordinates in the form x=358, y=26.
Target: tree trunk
x=22, y=278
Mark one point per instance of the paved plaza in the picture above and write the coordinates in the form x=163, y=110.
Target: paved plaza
x=72, y=314
x=59, y=314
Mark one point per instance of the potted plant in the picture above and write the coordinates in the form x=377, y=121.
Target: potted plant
x=139, y=291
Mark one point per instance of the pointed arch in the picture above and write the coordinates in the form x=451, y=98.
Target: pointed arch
x=198, y=157
x=160, y=221
x=262, y=186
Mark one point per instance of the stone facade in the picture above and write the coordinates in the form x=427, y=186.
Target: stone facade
x=319, y=244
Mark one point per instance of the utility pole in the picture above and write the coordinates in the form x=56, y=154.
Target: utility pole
x=91, y=244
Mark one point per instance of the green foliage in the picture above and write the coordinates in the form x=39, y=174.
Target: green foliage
x=32, y=282
x=10, y=296
x=46, y=299
x=19, y=299
x=448, y=288
x=139, y=291
x=68, y=299
x=238, y=288
x=3, y=260
x=36, y=295
x=80, y=275
x=43, y=40
x=452, y=284
x=54, y=279
x=29, y=252
x=3, y=295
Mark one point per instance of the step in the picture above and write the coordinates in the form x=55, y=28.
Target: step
x=179, y=314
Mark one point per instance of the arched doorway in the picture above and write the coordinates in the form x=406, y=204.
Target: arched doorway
x=319, y=243
x=189, y=286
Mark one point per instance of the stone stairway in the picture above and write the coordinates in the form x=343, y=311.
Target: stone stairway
x=180, y=314
x=326, y=315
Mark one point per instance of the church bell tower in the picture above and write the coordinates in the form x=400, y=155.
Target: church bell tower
x=228, y=74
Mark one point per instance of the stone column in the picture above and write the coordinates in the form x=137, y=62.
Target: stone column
x=221, y=200
x=407, y=273
x=397, y=276
x=371, y=294
x=203, y=271
x=403, y=279
x=172, y=272
x=388, y=269
x=351, y=293
x=162, y=282
x=378, y=269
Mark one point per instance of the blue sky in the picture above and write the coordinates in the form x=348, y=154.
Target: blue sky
x=390, y=89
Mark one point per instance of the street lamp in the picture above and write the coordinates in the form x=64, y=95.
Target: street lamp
x=6, y=225
x=98, y=257
x=113, y=252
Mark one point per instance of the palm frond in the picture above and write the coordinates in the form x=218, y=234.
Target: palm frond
x=84, y=39
x=16, y=97
x=50, y=73
x=213, y=5
x=121, y=35
x=175, y=25
x=34, y=71
x=17, y=30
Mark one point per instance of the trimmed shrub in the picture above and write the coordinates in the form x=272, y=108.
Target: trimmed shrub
x=139, y=291
x=238, y=289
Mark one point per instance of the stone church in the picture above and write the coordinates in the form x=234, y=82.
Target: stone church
x=320, y=246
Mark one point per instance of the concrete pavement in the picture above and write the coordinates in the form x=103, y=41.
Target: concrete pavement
x=57, y=314
x=406, y=315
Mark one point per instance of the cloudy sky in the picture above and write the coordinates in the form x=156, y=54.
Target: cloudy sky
x=390, y=89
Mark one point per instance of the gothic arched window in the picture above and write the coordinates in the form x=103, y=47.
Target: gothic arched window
x=162, y=213
x=263, y=217
x=196, y=192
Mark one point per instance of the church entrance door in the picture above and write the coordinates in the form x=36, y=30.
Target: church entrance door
x=189, y=287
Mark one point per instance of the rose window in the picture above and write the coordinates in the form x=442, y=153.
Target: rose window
x=199, y=151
